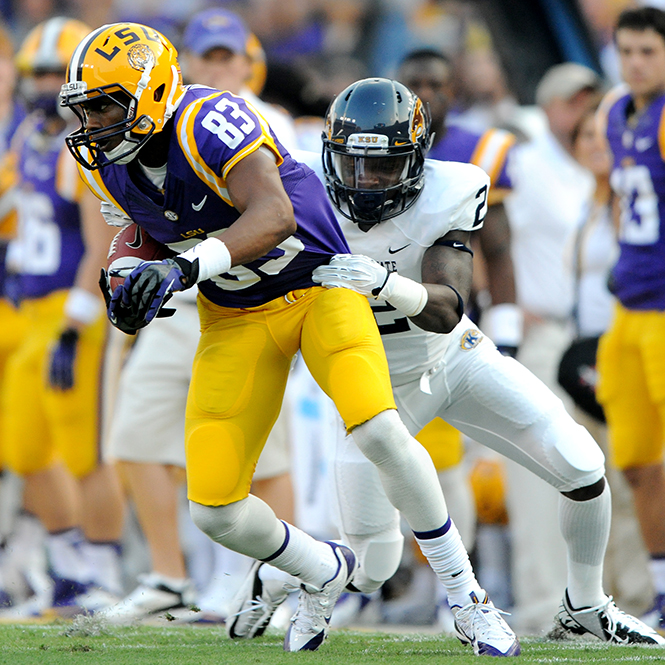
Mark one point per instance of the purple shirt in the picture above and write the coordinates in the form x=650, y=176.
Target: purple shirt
x=212, y=132
x=488, y=150
x=638, y=177
x=49, y=224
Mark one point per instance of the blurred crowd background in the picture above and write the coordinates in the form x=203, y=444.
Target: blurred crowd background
x=314, y=48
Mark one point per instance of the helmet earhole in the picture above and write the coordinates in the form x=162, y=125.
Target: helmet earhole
x=159, y=93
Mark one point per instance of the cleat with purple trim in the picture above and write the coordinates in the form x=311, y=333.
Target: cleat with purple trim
x=607, y=622
x=310, y=624
x=481, y=625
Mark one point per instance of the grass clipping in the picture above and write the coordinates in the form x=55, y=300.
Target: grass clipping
x=87, y=625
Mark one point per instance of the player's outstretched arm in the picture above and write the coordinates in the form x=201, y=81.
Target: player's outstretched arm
x=447, y=272
x=83, y=305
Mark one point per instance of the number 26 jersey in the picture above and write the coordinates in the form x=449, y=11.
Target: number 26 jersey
x=212, y=131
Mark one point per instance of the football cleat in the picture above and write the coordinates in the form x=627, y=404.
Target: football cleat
x=481, y=625
x=310, y=624
x=151, y=598
x=253, y=605
x=607, y=622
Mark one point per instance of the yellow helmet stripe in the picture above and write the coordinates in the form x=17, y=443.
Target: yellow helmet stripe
x=191, y=152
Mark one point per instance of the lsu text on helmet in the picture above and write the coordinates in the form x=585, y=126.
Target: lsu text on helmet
x=374, y=146
x=130, y=65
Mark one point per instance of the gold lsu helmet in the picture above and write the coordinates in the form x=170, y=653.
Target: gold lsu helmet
x=128, y=64
x=49, y=46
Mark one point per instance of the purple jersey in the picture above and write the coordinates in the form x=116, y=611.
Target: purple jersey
x=488, y=150
x=212, y=131
x=49, y=230
x=638, y=178
x=8, y=128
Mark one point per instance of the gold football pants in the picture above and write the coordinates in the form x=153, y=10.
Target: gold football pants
x=631, y=387
x=240, y=371
x=43, y=424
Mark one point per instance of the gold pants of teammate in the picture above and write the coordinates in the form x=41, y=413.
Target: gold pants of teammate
x=13, y=327
x=631, y=388
x=43, y=424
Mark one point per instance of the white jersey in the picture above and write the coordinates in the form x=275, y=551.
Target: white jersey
x=454, y=197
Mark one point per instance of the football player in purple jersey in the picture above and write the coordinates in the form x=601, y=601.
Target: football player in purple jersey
x=202, y=171
x=428, y=73
x=631, y=357
x=52, y=396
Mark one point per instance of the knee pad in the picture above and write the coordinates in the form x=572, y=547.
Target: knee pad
x=379, y=557
x=572, y=450
x=217, y=522
x=383, y=439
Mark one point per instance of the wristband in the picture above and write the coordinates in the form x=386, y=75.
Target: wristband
x=404, y=294
x=213, y=256
x=82, y=306
x=503, y=324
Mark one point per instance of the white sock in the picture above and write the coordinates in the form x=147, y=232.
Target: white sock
x=657, y=570
x=310, y=560
x=450, y=561
x=65, y=556
x=249, y=526
x=104, y=564
x=585, y=526
x=461, y=504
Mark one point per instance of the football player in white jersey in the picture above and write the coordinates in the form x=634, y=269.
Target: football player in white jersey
x=414, y=218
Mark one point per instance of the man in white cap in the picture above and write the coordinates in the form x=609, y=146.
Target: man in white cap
x=550, y=190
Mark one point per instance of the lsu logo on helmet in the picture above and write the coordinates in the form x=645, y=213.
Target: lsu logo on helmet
x=130, y=65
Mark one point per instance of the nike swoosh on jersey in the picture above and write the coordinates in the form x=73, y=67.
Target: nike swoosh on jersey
x=198, y=206
x=399, y=249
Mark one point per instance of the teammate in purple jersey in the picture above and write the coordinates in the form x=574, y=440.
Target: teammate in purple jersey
x=51, y=397
x=191, y=165
x=428, y=73
x=631, y=358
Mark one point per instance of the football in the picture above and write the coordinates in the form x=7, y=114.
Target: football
x=129, y=248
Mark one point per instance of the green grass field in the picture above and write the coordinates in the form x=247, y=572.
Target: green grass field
x=88, y=642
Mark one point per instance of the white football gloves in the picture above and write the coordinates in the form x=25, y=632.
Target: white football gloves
x=353, y=271
x=113, y=216
x=369, y=278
